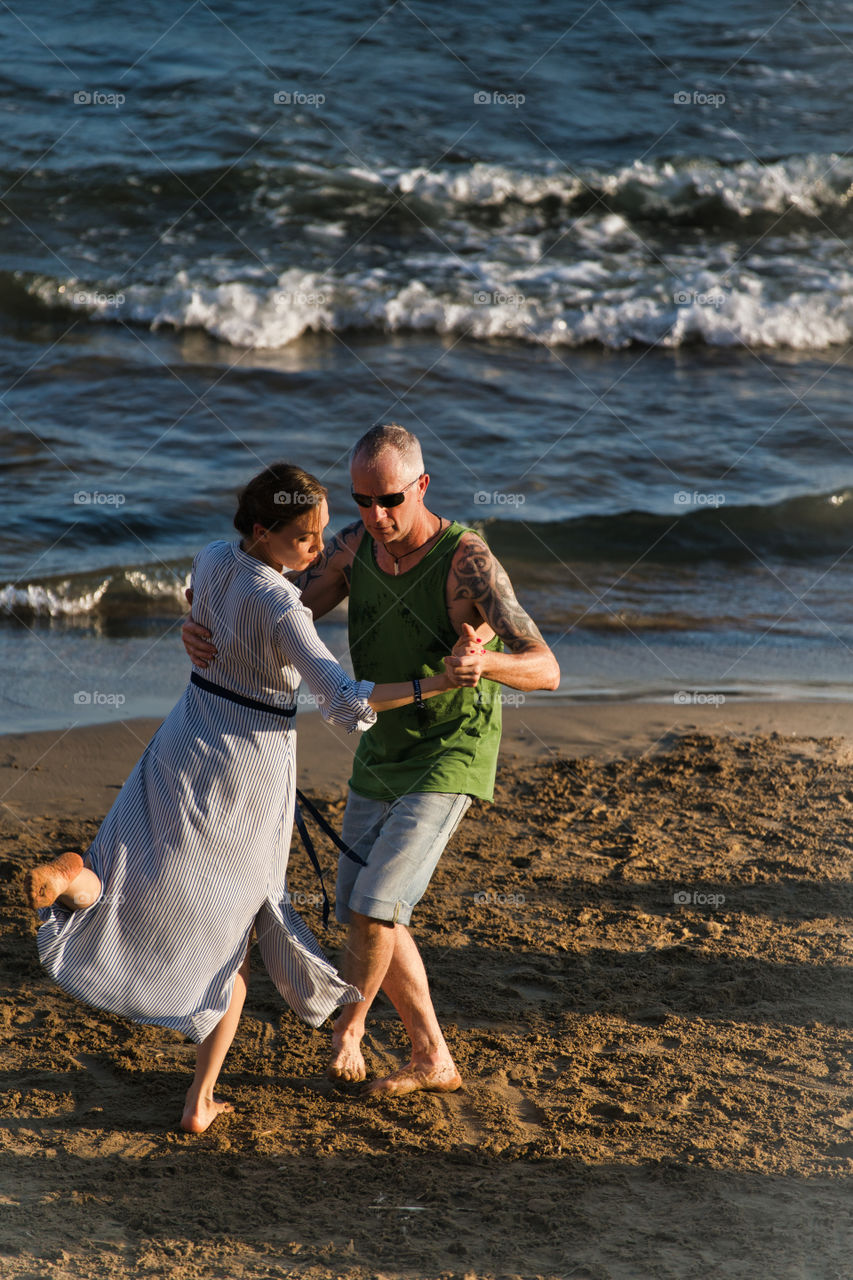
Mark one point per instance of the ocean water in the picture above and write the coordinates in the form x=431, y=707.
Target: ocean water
x=597, y=257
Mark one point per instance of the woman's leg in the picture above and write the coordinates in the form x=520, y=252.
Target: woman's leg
x=65, y=880
x=201, y=1108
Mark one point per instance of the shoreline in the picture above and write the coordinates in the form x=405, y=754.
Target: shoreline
x=77, y=772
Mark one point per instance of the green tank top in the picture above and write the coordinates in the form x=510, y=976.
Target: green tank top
x=399, y=630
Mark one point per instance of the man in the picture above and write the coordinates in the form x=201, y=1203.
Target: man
x=419, y=586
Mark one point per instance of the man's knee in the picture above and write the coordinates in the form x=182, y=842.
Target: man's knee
x=358, y=920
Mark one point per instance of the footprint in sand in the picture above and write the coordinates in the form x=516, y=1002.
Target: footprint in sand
x=498, y=1107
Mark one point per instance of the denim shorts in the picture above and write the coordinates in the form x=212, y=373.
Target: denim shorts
x=401, y=841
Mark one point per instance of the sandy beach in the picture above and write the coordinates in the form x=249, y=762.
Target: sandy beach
x=640, y=954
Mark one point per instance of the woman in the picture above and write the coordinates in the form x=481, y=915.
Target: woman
x=156, y=924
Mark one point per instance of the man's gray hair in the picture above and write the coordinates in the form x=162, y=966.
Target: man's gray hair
x=389, y=436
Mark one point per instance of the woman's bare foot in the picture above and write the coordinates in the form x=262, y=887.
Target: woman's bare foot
x=413, y=1076
x=200, y=1113
x=45, y=883
x=347, y=1062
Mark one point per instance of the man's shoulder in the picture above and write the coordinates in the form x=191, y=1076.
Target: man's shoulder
x=341, y=550
x=469, y=545
x=343, y=545
x=469, y=537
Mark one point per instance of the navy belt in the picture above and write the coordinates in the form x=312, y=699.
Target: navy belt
x=239, y=697
x=301, y=799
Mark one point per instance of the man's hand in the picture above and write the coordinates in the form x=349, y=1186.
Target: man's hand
x=197, y=640
x=465, y=665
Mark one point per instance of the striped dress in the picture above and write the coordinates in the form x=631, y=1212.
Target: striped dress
x=194, y=851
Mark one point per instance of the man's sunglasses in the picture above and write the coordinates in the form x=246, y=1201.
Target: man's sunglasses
x=383, y=499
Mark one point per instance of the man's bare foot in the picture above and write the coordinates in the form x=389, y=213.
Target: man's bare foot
x=201, y=1113
x=45, y=883
x=347, y=1062
x=431, y=1079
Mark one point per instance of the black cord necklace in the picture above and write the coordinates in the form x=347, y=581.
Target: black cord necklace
x=397, y=559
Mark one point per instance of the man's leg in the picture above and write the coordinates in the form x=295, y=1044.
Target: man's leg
x=368, y=952
x=369, y=944
x=402, y=844
x=430, y=1067
x=385, y=955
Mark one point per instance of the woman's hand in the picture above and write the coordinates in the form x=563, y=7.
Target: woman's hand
x=465, y=665
x=196, y=640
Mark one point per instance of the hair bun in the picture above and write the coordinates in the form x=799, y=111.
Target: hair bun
x=276, y=497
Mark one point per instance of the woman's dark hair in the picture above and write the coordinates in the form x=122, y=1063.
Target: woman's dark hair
x=276, y=497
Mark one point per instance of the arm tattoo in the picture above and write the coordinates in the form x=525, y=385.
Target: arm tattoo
x=479, y=577
x=344, y=541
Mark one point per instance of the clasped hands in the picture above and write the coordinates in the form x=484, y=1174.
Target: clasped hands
x=468, y=657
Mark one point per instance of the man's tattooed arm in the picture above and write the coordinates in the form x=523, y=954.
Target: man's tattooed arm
x=478, y=585
x=325, y=583
x=482, y=579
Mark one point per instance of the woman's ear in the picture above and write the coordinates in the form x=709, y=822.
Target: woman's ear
x=258, y=532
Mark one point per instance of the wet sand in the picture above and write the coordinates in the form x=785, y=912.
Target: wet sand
x=641, y=954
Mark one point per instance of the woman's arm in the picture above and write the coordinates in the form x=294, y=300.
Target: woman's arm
x=352, y=703
x=386, y=697
x=461, y=670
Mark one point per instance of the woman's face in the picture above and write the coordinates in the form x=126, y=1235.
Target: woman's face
x=298, y=543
